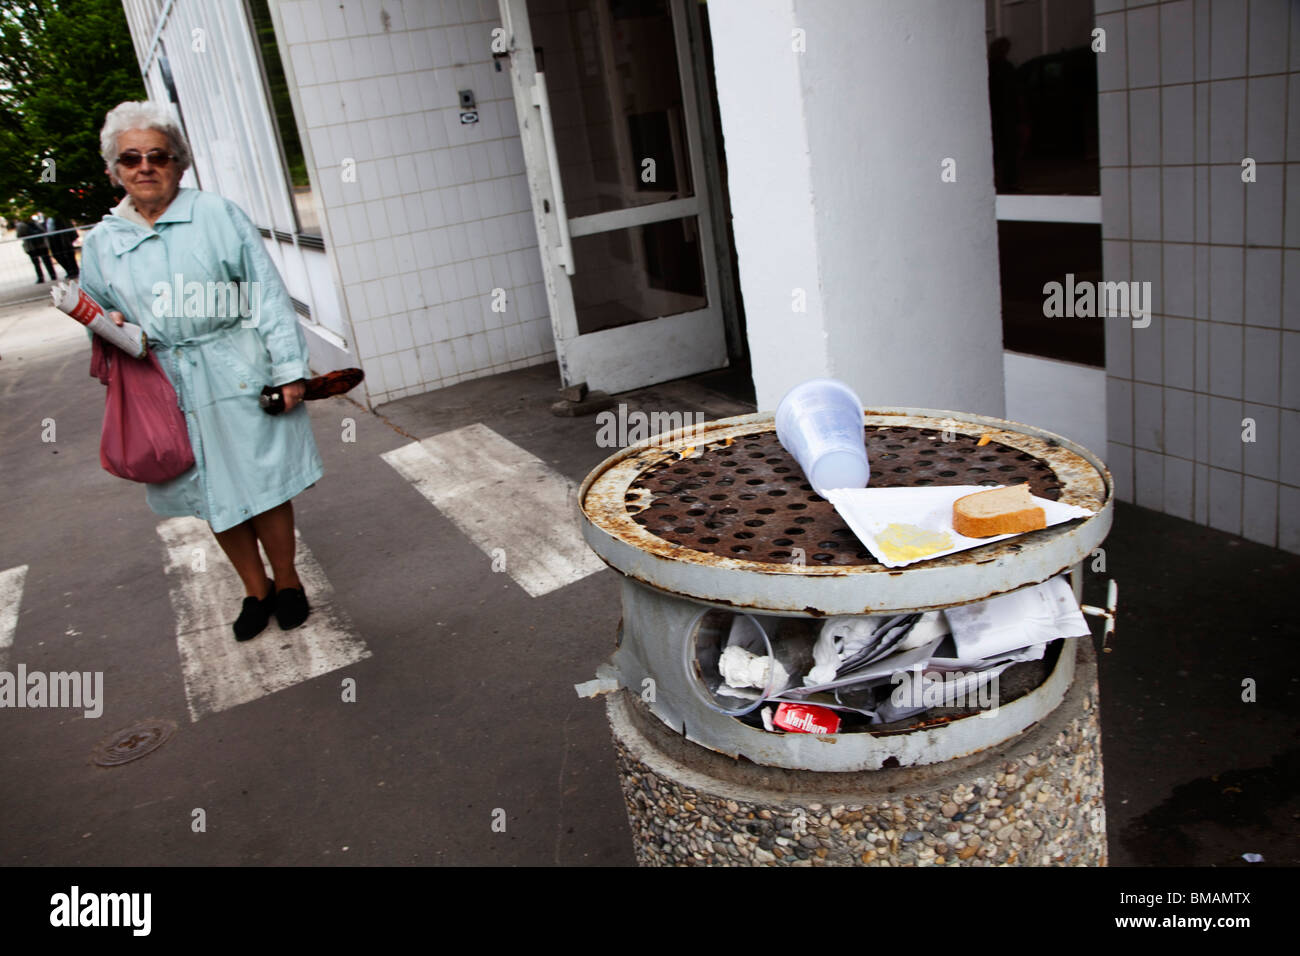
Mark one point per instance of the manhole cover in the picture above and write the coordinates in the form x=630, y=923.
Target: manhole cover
x=132, y=743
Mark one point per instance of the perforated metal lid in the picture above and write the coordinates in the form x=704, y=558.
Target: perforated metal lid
x=716, y=512
x=751, y=499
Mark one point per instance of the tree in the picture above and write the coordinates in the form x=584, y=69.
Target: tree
x=63, y=65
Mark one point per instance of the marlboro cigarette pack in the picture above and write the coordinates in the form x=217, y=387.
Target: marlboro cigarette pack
x=806, y=719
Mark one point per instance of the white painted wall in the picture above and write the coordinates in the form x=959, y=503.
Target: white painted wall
x=1062, y=397
x=834, y=159
x=761, y=102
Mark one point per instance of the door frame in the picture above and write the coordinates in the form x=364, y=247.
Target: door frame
x=724, y=254
x=654, y=350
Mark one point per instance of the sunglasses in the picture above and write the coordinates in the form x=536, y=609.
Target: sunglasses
x=157, y=158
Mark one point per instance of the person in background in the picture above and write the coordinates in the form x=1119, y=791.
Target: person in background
x=34, y=244
x=60, y=236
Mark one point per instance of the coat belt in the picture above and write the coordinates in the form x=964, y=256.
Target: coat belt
x=193, y=340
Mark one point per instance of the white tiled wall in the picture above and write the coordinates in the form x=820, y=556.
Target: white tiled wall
x=1187, y=90
x=438, y=216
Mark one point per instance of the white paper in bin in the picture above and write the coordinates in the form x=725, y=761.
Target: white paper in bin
x=868, y=511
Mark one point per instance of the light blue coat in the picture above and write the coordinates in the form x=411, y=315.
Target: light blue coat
x=217, y=350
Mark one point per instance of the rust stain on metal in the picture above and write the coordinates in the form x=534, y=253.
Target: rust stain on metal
x=934, y=722
x=638, y=499
x=740, y=501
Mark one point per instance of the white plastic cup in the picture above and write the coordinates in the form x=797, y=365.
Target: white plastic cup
x=819, y=422
x=705, y=639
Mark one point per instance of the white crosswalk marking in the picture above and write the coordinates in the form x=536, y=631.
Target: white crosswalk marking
x=206, y=594
x=11, y=595
x=515, y=508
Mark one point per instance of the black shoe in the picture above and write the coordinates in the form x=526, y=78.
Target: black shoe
x=291, y=608
x=255, y=615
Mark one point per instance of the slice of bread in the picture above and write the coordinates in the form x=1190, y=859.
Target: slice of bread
x=1009, y=510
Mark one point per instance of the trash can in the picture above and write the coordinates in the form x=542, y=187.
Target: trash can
x=717, y=520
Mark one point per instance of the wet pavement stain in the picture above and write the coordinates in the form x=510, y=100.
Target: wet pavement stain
x=1245, y=801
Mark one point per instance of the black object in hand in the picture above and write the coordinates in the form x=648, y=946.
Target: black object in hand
x=322, y=386
x=271, y=400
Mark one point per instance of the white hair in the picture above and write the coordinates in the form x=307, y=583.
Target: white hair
x=142, y=115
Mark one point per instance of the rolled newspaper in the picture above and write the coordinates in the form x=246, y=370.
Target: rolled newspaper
x=69, y=297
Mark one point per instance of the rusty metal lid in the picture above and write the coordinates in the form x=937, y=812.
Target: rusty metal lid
x=721, y=513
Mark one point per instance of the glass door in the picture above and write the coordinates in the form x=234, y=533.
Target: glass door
x=605, y=97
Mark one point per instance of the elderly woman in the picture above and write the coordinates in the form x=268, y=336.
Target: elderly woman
x=248, y=464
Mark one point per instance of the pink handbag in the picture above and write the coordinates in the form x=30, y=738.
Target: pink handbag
x=144, y=437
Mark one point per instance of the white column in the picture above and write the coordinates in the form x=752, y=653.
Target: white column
x=835, y=158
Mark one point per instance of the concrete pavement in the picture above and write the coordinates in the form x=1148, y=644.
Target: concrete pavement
x=461, y=711
x=464, y=707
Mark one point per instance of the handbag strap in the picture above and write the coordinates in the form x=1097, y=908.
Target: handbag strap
x=99, y=360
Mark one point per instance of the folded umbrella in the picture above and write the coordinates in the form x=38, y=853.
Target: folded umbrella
x=322, y=386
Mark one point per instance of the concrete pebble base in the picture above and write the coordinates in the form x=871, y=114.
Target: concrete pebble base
x=1035, y=800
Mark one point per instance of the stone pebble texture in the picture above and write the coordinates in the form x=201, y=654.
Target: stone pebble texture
x=1035, y=800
